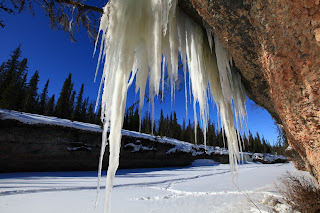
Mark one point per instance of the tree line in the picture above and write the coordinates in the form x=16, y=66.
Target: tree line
x=18, y=94
x=169, y=126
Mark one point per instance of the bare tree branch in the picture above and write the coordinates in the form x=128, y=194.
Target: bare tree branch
x=81, y=6
x=66, y=15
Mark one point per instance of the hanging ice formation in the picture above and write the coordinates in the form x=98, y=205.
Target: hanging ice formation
x=136, y=37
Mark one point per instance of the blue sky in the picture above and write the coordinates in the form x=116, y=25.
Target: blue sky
x=54, y=55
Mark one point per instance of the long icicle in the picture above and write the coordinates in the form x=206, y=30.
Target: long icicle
x=136, y=37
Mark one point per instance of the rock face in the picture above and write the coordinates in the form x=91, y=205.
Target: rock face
x=276, y=47
x=296, y=159
x=42, y=147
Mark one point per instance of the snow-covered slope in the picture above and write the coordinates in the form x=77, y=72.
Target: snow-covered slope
x=29, y=118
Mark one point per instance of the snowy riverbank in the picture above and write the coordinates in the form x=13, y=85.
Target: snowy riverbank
x=63, y=136
x=203, y=187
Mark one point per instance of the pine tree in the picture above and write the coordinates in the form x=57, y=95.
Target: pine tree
x=31, y=95
x=257, y=143
x=22, y=69
x=175, y=127
x=50, y=106
x=22, y=92
x=21, y=86
x=250, y=139
x=199, y=134
x=71, y=105
x=189, y=133
x=91, y=115
x=221, y=139
x=98, y=117
x=63, y=103
x=170, y=127
x=8, y=98
x=44, y=98
x=2, y=71
x=126, y=120
x=245, y=144
x=12, y=65
x=183, y=131
x=12, y=75
x=161, y=124
x=135, y=120
x=146, y=123
x=83, y=115
x=77, y=110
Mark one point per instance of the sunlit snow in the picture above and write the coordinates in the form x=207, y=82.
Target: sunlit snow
x=203, y=187
x=143, y=39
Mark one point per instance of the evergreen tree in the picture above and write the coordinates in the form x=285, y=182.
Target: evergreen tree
x=126, y=120
x=71, y=104
x=77, y=110
x=176, y=129
x=161, y=124
x=8, y=98
x=211, y=134
x=183, y=131
x=22, y=69
x=22, y=92
x=12, y=75
x=11, y=67
x=98, y=117
x=170, y=126
x=21, y=86
x=166, y=126
x=189, y=133
x=257, y=143
x=251, y=142
x=50, y=107
x=199, y=134
x=146, y=123
x=63, y=104
x=91, y=115
x=83, y=115
x=2, y=72
x=135, y=120
x=44, y=98
x=221, y=138
x=31, y=94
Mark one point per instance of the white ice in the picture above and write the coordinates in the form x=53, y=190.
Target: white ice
x=136, y=36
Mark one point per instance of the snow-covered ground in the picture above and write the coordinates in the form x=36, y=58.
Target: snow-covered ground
x=205, y=186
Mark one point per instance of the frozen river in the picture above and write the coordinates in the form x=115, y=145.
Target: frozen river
x=203, y=187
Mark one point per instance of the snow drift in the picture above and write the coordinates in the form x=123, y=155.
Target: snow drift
x=143, y=39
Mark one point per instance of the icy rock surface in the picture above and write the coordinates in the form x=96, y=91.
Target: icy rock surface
x=143, y=39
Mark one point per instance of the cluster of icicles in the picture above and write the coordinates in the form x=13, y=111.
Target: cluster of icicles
x=144, y=39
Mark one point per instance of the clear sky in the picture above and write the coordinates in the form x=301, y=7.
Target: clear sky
x=54, y=55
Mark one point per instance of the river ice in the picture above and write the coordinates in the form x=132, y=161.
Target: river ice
x=204, y=187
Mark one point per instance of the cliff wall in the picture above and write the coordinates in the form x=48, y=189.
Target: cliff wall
x=276, y=47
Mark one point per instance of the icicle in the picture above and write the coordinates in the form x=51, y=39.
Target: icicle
x=162, y=82
x=70, y=22
x=136, y=37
